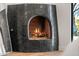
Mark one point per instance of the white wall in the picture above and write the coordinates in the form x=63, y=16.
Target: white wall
x=2, y=49
x=5, y=28
x=2, y=6
x=72, y=49
x=64, y=24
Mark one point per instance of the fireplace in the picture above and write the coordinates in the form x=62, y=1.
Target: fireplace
x=33, y=27
x=39, y=28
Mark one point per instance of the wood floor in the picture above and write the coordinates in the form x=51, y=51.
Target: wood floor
x=53, y=53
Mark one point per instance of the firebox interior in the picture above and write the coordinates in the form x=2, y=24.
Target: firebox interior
x=39, y=28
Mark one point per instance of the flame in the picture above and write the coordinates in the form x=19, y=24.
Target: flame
x=37, y=30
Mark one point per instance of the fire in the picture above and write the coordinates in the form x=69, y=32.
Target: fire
x=38, y=34
x=37, y=30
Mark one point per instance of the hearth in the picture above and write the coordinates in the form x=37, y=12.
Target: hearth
x=33, y=27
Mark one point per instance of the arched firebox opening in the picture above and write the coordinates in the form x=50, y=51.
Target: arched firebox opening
x=39, y=28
